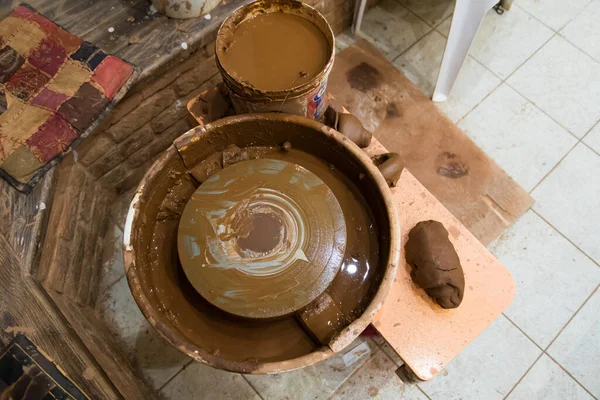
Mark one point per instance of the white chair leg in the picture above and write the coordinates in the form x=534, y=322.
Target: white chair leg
x=468, y=15
x=359, y=12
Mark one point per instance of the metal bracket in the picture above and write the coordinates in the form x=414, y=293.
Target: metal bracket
x=498, y=8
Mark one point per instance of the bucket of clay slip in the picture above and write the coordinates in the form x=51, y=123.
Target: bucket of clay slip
x=305, y=98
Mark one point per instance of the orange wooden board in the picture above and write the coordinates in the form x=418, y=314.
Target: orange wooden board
x=423, y=334
x=458, y=173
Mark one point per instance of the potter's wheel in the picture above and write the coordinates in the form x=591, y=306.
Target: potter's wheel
x=174, y=291
x=262, y=238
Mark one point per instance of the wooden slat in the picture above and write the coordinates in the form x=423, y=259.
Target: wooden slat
x=104, y=348
x=25, y=308
x=458, y=173
x=23, y=217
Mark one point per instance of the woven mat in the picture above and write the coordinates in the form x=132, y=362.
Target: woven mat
x=57, y=87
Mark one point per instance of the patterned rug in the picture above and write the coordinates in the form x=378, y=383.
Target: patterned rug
x=57, y=88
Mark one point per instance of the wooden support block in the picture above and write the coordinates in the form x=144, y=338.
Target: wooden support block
x=323, y=318
x=426, y=336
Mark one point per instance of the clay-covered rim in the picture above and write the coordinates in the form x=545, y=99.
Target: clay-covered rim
x=345, y=337
x=224, y=37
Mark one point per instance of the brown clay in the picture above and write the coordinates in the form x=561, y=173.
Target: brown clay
x=203, y=170
x=276, y=51
x=348, y=125
x=390, y=165
x=205, y=332
x=213, y=104
x=323, y=318
x=436, y=266
x=233, y=155
x=330, y=116
x=260, y=233
x=353, y=129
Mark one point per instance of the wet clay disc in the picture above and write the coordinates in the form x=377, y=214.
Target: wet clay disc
x=262, y=238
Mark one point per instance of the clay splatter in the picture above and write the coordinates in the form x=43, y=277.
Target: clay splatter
x=392, y=111
x=449, y=165
x=363, y=77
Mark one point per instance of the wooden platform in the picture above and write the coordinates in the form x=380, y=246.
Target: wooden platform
x=424, y=335
x=457, y=172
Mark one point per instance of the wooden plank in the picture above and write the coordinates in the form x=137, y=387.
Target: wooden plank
x=160, y=39
x=458, y=173
x=54, y=263
x=25, y=308
x=23, y=217
x=103, y=347
x=423, y=334
x=50, y=8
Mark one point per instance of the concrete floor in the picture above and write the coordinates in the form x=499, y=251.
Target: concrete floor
x=529, y=96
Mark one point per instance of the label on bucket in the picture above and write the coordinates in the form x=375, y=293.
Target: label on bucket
x=314, y=107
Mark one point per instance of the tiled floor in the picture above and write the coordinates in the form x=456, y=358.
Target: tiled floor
x=529, y=95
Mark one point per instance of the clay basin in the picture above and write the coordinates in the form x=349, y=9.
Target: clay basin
x=336, y=313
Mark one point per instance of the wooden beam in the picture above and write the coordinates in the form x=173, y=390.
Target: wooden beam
x=23, y=218
x=103, y=347
x=25, y=308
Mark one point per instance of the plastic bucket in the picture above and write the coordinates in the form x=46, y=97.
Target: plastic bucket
x=307, y=99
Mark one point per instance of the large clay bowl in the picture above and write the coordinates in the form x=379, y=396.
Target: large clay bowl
x=194, y=325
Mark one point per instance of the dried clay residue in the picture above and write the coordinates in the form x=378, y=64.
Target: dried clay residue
x=23, y=330
x=450, y=166
x=363, y=77
x=89, y=374
x=392, y=111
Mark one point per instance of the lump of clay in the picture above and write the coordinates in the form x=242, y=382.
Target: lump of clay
x=390, y=165
x=435, y=264
x=349, y=126
x=233, y=155
x=353, y=129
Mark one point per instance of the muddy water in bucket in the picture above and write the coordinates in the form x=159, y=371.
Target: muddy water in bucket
x=349, y=225
x=276, y=51
x=276, y=55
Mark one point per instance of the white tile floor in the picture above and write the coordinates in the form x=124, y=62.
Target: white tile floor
x=529, y=95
